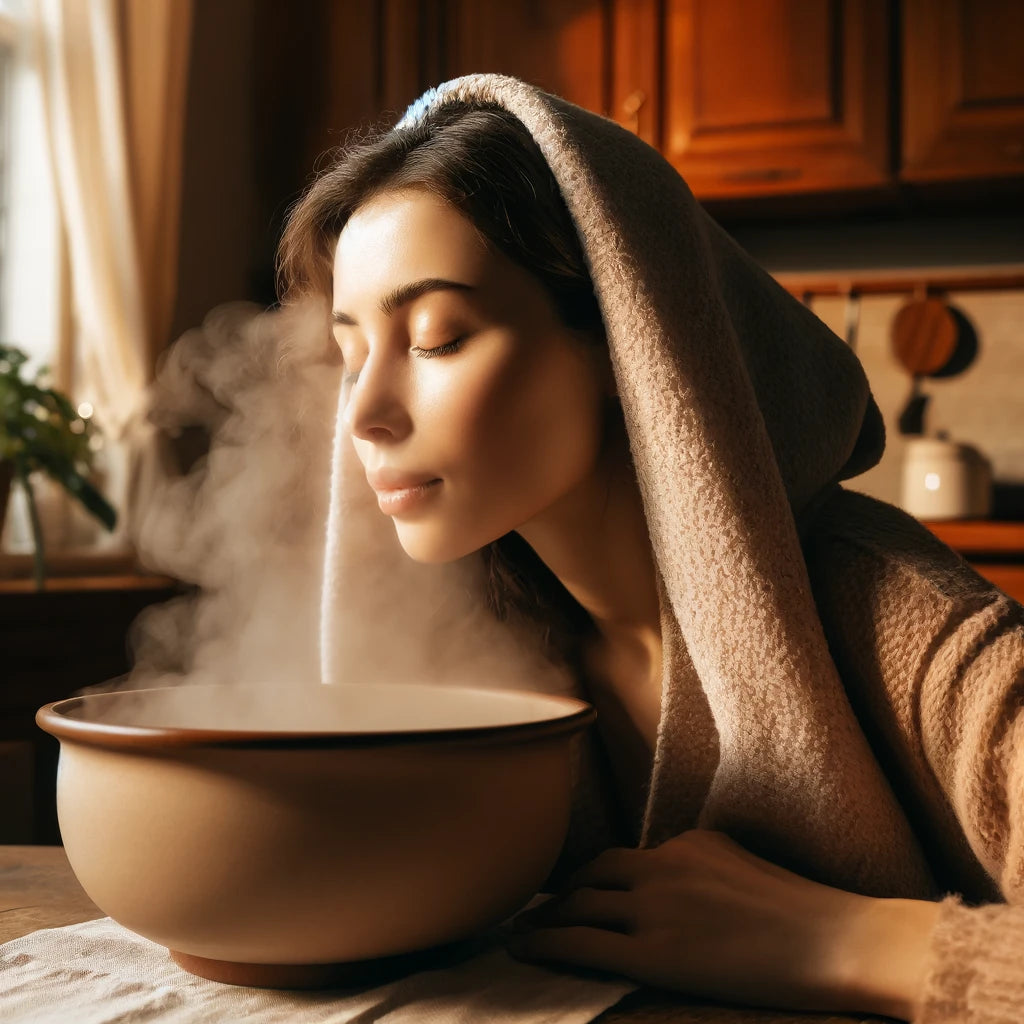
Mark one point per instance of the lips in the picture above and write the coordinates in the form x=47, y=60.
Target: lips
x=393, y=480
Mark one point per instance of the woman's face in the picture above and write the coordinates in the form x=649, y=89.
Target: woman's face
x=508, y=418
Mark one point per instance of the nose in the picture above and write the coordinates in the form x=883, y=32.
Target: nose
x=377, y=404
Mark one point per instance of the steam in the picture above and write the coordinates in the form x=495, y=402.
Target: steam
x=247, y=524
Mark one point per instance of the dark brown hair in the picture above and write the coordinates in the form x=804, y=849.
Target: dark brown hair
x=482, y=160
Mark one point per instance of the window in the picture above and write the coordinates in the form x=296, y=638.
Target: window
x=29, y=225
x=8, y=35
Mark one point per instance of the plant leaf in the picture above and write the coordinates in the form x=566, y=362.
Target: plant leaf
x=63, y=471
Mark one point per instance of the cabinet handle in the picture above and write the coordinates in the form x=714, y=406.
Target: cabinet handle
x=631, y=108
x=763, y=174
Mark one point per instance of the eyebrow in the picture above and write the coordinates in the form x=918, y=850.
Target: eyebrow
x=403, y=294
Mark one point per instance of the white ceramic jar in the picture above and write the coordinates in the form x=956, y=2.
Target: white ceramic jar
x=945, y=479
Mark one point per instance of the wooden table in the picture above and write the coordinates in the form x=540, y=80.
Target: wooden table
x=39, y=890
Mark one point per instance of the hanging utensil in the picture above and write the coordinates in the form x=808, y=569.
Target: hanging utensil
x=852, y=318
x=924, y=338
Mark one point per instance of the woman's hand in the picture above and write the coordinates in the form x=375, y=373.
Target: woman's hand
x=702, y=915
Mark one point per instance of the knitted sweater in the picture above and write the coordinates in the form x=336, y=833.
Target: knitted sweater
x=839, y=688
x=932, y=658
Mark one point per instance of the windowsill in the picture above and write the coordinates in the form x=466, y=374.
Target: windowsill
x=88, y=583
x=81, y=569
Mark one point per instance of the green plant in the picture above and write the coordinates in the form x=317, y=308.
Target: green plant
x=40, y=430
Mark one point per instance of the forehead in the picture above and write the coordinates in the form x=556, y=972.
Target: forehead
x=400, y=237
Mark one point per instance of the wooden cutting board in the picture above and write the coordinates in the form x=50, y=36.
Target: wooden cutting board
x=924, y=336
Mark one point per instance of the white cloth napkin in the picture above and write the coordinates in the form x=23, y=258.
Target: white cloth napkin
x=98, y=972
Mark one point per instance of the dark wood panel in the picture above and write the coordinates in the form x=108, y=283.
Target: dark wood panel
x=52, y=643
x=785, y=75
x=409, y=39
x=777, y=96
x=637, y=67
x=560, y=45
x=963, y=89
x=17, y=769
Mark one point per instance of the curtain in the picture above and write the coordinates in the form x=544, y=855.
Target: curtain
x=114, y=74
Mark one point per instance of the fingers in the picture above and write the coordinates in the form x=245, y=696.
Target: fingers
x=615, y=868
x=584, y=947
x=598, y=908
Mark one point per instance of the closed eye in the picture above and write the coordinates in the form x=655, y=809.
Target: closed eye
x=440, y=350
x=423, y=353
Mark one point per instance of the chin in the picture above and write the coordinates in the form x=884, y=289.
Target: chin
x=432, y=550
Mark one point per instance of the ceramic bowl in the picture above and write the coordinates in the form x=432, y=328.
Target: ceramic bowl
x=263, y=844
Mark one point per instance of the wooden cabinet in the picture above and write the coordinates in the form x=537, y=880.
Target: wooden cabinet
x=963, y=89
x=604, y=57
x=558, y=45
x=777, y=96
x=994, y=549
x=747, y=98
x=743, y=98
x=52, y=643
x=784, y=96
x=754, y=98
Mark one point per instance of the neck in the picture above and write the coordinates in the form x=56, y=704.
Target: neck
x=595, y=540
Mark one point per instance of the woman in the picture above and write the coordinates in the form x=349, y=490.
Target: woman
x=570, y=368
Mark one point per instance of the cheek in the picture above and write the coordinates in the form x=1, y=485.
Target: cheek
x=530, y=426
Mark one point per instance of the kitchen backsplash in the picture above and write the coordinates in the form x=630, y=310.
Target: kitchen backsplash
x=982, y=406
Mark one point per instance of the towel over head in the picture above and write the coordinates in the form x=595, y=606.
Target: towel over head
x=743, y=412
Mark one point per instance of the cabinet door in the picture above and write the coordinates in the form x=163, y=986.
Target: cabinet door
x=777, y=96
x=963, y=89
x=559, y=45
x=637, y=67
x=605, y=57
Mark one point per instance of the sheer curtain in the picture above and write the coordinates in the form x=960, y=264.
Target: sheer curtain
x=113, y=76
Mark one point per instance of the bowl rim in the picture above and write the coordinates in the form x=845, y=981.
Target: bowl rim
x=53, y=719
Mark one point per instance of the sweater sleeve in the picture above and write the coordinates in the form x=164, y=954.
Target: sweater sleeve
x=972, y=731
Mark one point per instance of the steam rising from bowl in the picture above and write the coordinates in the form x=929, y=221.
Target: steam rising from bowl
x=246, y=524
